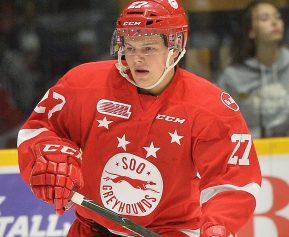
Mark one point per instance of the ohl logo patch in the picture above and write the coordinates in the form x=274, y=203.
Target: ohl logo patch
x=114, y=108
x=130, y=185
x=229, y=101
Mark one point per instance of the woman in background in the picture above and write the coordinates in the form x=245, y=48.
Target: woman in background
x=258, y=77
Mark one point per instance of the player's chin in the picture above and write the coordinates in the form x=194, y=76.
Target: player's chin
x=143, y=81
x=143, y=84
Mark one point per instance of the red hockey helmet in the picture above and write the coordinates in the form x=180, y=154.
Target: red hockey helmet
x=163, y=17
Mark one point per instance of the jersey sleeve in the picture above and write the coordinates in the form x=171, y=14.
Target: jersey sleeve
x=228, y=166
x=52, y=120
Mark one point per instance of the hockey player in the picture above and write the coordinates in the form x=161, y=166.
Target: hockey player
x=143, y=137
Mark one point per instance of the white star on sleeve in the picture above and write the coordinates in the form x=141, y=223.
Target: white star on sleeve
x=175, y=137
x=122, y=142
x=103, y=123
x=151, y=150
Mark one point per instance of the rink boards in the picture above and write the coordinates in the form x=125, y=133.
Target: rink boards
x=21, y=214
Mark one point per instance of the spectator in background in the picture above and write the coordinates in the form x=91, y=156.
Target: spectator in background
x=21, y=74
x=24, y=64
x=86, y=50
x=258, y=77
x=30, y=24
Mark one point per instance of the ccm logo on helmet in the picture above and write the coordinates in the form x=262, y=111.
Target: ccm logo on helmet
x=62, y=149
x=131, y=23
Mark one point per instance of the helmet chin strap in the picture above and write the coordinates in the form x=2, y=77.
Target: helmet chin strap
x=122, y=69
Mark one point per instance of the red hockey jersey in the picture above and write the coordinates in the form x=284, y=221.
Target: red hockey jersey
x=168, y=162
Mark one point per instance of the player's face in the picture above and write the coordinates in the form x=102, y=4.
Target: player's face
x=146, y=57
x=267, y=24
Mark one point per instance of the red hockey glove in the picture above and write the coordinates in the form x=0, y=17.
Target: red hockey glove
x=214, y=231
x=56, y=173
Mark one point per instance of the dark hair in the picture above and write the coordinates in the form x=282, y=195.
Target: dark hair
x=243, y=47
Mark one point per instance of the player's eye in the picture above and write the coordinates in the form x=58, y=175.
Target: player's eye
x=129, y=50
x=149, y=50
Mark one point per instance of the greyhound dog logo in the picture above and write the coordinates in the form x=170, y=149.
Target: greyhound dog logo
x=135, y=183
x=131, y=185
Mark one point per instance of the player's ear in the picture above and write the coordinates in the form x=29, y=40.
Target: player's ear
x=176, y=54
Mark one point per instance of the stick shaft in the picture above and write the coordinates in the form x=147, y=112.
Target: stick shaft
x=115, y=217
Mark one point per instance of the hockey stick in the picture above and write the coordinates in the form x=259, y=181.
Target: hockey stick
x=115, y=217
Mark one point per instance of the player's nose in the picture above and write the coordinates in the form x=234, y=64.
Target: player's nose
x=138, y=58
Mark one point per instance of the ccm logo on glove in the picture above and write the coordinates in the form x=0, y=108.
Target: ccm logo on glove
x=56, y=173
x=61, y=149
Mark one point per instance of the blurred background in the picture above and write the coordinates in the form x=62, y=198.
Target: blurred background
x=39, y=41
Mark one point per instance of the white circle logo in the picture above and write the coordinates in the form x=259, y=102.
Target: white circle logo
x=174, y=4
x=229, y=101
x=130, y=185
